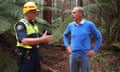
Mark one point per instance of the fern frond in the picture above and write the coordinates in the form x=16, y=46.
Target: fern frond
x=8, y=64
x=4, y=25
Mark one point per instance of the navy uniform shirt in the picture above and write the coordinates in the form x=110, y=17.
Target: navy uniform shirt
x=21, y=31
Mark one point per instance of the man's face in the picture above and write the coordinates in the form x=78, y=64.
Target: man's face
x=76, y=15
x=32, y=14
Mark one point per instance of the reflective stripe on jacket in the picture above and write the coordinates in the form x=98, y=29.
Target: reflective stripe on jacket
x=30, y=29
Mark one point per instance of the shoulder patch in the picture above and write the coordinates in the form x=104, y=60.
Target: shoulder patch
x=23, y=21
x=19, y=27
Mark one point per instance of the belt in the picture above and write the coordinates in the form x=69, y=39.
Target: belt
x=31, y=50
x=77, y=51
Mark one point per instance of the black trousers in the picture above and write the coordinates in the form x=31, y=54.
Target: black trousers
x=29, y=61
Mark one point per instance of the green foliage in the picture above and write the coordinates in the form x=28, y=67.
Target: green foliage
x=107, y=61
x=112, y=27
x=58, y=32
x=106, y=12
x=7, y=64
x=107, y=15
x=43, y=25
x=115, y=45
x=10, y=12
x=4, y=25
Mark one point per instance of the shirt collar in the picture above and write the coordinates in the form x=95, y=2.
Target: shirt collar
x=80, y=23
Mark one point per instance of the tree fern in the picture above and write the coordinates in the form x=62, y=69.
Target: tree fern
x=106, y=11
x=106, y=61
x=58, y=32
x=4, y=25
x=7, y=64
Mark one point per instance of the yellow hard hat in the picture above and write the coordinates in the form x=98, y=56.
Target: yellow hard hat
x=29, y=6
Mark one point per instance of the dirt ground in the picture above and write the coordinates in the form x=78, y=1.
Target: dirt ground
x=54, y=58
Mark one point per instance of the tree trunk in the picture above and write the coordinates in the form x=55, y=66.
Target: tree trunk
x=64, y=8
x=47, y=14
x=90, y=1
x=80, y=2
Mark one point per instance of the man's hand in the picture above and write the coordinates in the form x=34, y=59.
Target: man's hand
x=47, y=37
x=45, y=33
x=69, y=49
x=90, y=53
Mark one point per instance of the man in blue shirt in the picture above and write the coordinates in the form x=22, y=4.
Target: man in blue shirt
x=79, y=47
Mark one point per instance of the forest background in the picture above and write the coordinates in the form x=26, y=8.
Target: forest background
x=54, y=16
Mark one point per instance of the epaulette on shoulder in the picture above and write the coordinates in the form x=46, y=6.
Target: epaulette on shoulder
x=23, y=21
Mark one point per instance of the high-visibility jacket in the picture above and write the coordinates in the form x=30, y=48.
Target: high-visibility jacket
x=30, y=29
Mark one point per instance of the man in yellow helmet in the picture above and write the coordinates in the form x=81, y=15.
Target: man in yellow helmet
x=28, y=39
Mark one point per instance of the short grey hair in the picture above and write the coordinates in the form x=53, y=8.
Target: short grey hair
x=79, y=9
